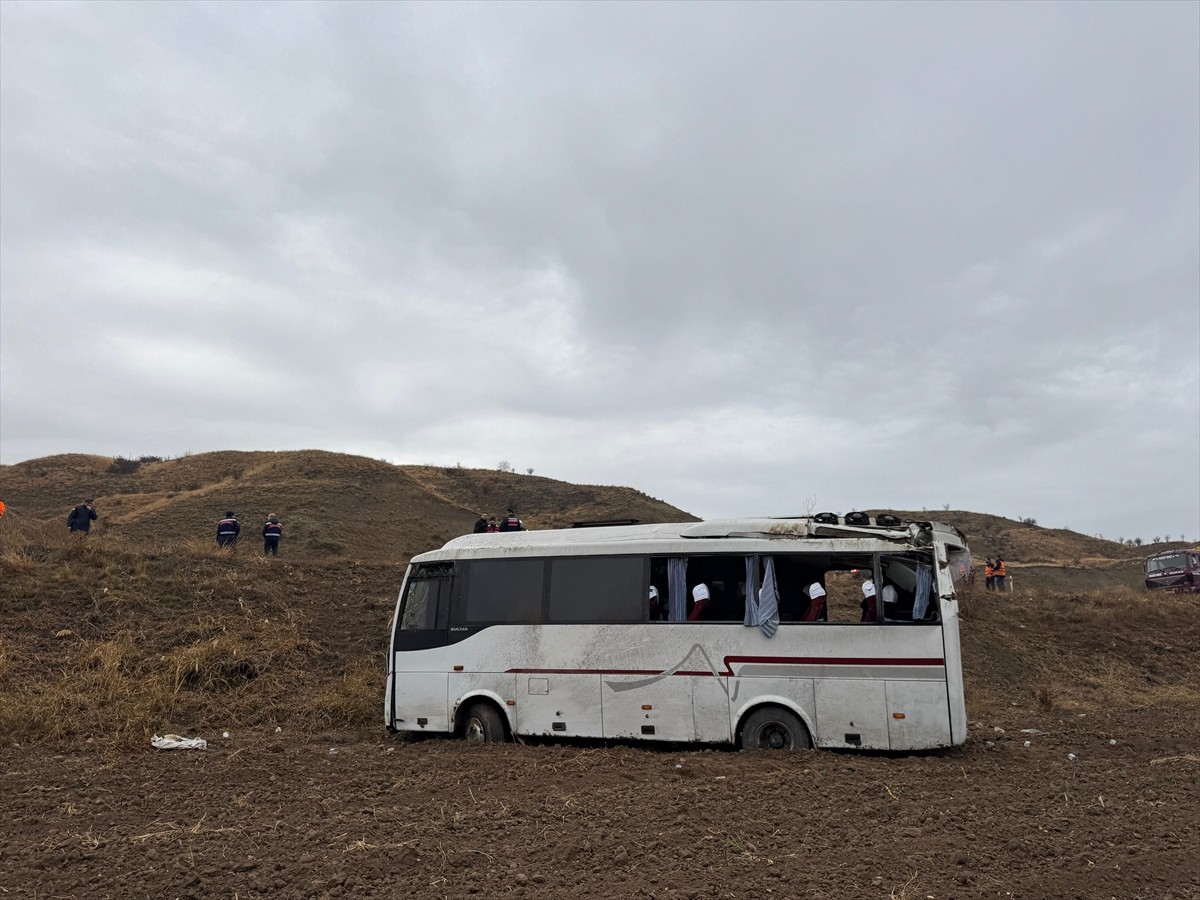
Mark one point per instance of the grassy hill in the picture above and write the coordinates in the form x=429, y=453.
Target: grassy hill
x=337, y=506
x=331, y=504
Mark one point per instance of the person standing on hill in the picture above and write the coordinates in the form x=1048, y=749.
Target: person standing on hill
x=999, y=574
x=82, y=517
x=510, y=522
x=989, y=575
x=228, y=530
x=272, y=532
x=481, y=526
x=493, y=526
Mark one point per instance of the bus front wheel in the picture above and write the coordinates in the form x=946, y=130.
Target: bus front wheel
x=774, y=728
x=482, y=724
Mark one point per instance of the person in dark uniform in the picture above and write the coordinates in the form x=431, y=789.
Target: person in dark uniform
x=228, y=530
x=82, y=517
x=272, y=532
x=510, y=522
x=481, y=526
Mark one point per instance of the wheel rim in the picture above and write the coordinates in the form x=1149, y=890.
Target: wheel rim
x=473, y=730
x=775, y=736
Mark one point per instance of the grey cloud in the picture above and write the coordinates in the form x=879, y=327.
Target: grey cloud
x=627, y=243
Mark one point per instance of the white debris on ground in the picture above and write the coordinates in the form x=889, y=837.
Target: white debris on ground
x=176, y=742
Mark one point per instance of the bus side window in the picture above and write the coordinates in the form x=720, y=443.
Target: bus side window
x=724, y=577
x=844, y=591
x=502, y=591
x=908, y=593
x=600, y=589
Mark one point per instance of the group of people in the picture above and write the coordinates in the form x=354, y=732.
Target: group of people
x=229, y=529
x=994, y=575
x=487, y=524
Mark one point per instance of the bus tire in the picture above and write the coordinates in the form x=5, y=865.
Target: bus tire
x=774, y=728
x=483, y=725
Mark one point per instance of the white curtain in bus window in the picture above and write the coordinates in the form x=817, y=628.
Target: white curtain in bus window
x=924, y=587
x=677, y=588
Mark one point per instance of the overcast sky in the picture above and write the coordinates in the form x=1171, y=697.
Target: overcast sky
x=748, y=258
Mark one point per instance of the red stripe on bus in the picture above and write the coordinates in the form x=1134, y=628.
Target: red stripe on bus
x=838, y=660
x=729, y=660
x=597, y=672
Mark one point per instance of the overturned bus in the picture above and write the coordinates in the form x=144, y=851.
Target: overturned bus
x=1177, y=571
x=764, y=633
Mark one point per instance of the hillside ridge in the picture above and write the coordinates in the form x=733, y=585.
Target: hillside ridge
x=354, y=506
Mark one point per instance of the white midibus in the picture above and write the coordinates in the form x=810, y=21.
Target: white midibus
x=823, y=631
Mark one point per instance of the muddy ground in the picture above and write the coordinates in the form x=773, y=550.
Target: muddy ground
x=364, y=814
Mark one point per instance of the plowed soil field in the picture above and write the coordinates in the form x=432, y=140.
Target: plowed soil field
x=364, y=814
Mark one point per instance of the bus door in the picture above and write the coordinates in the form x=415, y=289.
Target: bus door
x=419, y=671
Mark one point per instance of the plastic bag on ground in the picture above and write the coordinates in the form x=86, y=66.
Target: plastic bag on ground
x=175, y=742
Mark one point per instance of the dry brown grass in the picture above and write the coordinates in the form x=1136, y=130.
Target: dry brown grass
x=7, y=652
x=107, y=641
x=355, y=699
x=1090, y=652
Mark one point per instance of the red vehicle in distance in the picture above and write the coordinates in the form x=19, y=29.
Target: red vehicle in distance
x=1177, y=571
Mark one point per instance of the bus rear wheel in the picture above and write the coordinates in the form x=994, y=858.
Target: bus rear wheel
x=774, y=728
x=482, y=724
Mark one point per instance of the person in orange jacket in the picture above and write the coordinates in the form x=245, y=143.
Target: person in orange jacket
x=989, y=576
x=998, y=572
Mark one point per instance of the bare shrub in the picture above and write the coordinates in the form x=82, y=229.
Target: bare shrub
x=124, y=466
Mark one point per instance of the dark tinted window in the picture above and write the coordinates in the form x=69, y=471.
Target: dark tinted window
x=597, y=589
x=503, y=591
